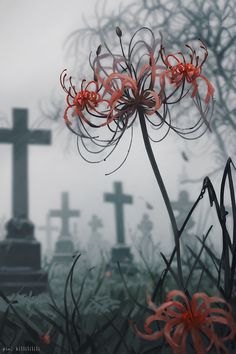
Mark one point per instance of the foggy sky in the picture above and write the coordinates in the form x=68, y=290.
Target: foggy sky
x=32, y=57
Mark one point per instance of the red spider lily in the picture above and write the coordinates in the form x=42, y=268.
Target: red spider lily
x=46, y=338
x=87, y=99
x=127, y=98
x=128, y=86
x=180, y=71
x=183, y=71
x=123, y=86
x=198, y=318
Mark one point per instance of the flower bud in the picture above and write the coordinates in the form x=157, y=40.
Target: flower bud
x=99, y=49
x=118, y=32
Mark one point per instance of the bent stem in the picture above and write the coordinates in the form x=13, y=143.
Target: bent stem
x=164, y=194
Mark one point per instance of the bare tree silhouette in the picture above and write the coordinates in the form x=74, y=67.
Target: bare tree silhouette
x=179, y=22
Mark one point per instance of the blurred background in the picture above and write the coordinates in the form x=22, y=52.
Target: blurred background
x=39, y=40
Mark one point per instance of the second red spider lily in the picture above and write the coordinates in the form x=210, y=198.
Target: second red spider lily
x=198, y=318
x=183, y=74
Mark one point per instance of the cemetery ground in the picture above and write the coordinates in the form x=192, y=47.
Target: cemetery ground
x=78, y=305
x=89, y=310
x=92, y=307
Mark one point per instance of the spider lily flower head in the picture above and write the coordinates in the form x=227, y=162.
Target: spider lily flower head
x=197, y=318
x=131, y=84
x=182, y=71
x=126, y=97
x=123, y=85
x=87, y=99
x=128, y=79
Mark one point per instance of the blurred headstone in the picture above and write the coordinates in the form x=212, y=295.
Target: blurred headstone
x=20, y=253
x=64, y=249
x=182, y=207
x=146, y=245
x=48, y=229
x=97, y=247
x=120, y=252
x=95, y=224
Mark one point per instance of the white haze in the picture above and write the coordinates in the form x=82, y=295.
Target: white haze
x=32, y=57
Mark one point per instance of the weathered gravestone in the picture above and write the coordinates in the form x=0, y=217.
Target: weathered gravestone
x=64, y=249
x=95, y=224
x=20, y=253
x=48, y=229
x=97, y=247
x=120, y=252
x=182, y=207
x=146, y=245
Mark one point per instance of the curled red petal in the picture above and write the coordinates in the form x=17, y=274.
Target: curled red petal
x=168, y=332
x=150, y=337
x=197, y=342
x=178, y=293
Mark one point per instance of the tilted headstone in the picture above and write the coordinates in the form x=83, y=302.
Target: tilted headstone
x=121, y=252
x=64, y=246
x=20, y=253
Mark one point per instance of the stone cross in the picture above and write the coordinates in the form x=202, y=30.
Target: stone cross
x=183, y=206
x=145, y=226
x=95, y=223
x=65, y=213
x=119, y=199
x=21, y=137
x=48, y=228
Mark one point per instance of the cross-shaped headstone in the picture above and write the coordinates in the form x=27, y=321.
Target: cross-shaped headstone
x=145, y=226
x=48, y=229
x=65, y=214
x=95, y=223
x=21, y=137
x=119, y=199
x=183, y=206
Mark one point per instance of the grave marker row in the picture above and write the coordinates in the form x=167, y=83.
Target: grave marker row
x=20, y=253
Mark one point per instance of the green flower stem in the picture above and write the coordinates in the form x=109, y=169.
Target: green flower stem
x=164, y=193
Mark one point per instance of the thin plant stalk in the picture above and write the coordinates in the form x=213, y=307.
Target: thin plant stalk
x=164, y=194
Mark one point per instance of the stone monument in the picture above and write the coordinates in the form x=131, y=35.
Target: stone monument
x=97, y=247
x=120, y=252
x=48, y=229
x=146, y=245
x=64, y=249
x=20, y=253
x=182, y=207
